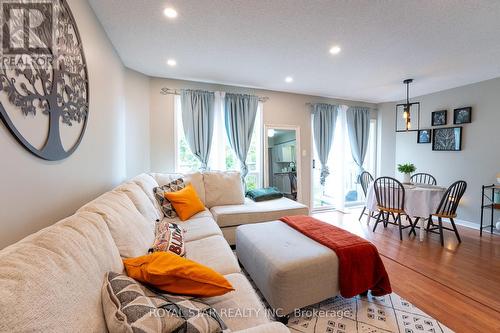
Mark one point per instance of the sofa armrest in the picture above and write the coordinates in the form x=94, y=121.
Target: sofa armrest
x=273, y=327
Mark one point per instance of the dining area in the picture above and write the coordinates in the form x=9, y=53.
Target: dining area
x=418, y=204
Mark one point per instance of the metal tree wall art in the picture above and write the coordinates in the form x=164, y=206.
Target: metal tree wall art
x=43, y=72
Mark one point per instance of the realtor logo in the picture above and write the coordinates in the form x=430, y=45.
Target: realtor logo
x=27, y=27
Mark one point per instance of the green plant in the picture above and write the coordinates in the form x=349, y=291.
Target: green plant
x=406, y=168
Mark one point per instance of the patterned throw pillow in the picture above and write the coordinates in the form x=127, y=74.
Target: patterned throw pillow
x=131, y=307
x=169, y=238
x=166, y=206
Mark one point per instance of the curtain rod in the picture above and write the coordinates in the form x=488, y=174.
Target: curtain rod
x=168, y=91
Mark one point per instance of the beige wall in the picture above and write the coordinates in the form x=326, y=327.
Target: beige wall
x=281, y=109
x=36, y=193
x=478, y=162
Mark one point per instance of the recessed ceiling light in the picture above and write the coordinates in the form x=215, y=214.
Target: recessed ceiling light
x=335, y=49
x=170, y=12
x=171, y=62
x=289, y=79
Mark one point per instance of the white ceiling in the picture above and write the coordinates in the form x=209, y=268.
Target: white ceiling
x=257, y=43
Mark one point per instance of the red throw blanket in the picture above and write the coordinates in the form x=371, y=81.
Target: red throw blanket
x=360, y=266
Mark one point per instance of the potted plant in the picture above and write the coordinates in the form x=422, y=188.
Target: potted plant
x=406, y=169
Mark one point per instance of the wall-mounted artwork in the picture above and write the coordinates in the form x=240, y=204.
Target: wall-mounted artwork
x=424, y=136
x=462, y=115
x=439, y=118
x=44, y=85
x=447, y=139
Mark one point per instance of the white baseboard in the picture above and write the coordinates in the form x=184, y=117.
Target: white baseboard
x=467, y=224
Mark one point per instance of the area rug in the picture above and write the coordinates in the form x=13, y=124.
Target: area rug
x=389, y=313
x=360, y=314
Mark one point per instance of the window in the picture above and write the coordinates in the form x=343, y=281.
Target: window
x=342, y=188
x=222, y=156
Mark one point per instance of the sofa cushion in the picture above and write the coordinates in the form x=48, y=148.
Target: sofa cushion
x=242, y=308
x=148, y=183
x=195, y=178
x=200, y=227
x=132, y=233
x=49, y=281
x=213, y=252
x=140, y=199
x=130, y=307
x=253, y=212
x=171, y=273
x=223, y=188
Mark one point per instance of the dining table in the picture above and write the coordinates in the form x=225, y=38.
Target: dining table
x=421, y=201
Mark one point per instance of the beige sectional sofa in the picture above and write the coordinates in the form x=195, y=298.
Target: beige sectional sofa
x=51, y=280
x=229, y=216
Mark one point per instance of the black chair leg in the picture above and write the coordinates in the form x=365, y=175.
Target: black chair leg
x=429, y=223
x=393, y=217
x=362, y=213
x=399, y=222
x=378, y=221
x=413, y=226
x=440, y=220
x=456, y=230
x=386, y=219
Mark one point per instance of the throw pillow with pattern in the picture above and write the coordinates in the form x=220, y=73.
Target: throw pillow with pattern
x=169, y=238
x=132, y=307
x=165, y=204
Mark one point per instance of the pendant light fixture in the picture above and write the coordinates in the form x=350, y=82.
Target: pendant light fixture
x=408, y=114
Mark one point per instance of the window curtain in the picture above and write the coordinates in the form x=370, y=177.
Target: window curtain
x=358, y=128
x=240, y=114
x=324, y=122
x=198, y=122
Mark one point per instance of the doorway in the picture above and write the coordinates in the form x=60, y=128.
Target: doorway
x=282, y=160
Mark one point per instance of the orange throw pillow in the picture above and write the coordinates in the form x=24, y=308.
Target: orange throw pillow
x=173, y=274
x=185, y=202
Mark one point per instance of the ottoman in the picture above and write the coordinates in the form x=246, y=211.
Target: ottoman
x=291, y=270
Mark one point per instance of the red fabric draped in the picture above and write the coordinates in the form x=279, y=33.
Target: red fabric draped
x=360, y=266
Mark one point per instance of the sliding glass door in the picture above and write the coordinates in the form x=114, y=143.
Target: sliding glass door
x=342, y=189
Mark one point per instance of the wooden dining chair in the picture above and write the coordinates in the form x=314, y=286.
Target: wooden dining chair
x=447, y=209
x=365, y=179
x=390, y=194
x=423, y=178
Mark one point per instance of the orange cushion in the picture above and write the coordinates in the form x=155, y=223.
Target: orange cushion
x=171, y=273
x=185, y=202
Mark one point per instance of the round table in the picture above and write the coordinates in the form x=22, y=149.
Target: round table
x=421, y=200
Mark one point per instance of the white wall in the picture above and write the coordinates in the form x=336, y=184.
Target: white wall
x=478, y=162
x=137, y=139
x=281, y=109
x=36, y=193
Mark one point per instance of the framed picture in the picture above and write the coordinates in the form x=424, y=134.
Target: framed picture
x=439, y=118
x=424, y=136
x=447, y=139
x=462, y=115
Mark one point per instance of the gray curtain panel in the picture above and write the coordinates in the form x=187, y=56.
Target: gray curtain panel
x=324, y=122
x=198, y=122
x=358, y=127
x=239, y=116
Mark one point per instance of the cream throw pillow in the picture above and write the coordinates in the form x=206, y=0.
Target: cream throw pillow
x=223, y=188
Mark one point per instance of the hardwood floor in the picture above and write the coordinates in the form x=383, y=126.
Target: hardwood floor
x=458, y=284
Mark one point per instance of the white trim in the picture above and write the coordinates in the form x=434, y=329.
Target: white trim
x=467, y=224
x=298, y=155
